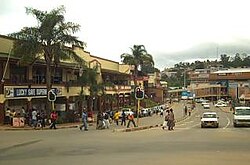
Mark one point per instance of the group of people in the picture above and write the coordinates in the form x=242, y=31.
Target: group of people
x=169, y=120
x=38, y=119
x=10, y=114
x=104, y=119
x=124, y=117
x=34, y=118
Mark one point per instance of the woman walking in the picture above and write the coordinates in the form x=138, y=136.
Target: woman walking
x=171, y=120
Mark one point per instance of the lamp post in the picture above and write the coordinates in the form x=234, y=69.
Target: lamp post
x=93, y=105
x=184, y=79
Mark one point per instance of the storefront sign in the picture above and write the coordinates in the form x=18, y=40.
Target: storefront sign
x=28, y=92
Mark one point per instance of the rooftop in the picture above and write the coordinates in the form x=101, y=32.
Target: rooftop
x=234, y=70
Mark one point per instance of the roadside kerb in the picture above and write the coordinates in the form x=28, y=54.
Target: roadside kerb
x=75, y=125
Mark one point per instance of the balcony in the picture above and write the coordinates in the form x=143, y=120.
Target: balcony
x=118, y=89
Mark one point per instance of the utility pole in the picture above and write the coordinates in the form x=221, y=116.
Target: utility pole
x=184, y=79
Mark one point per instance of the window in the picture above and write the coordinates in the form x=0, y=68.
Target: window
x=39, y=76
x=58, y=76
x=18, y=74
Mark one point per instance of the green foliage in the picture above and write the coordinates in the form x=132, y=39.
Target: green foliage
x=150, y=103
x=238, y=60
x=174, y=81
x=139, y=57
x=49, y=39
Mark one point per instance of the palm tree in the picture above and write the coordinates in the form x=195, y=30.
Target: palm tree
x=138, y=58
x=96, y=88
x=49, y=41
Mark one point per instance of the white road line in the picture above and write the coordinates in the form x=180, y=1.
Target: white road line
x=228, y=123
x=185, y=123
x=195, y=125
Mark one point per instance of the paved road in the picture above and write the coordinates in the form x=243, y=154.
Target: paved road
x=188, y=144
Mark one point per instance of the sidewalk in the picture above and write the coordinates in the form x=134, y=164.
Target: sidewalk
x=144, y=123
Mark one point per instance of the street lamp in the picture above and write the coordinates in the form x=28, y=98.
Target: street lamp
x=184, y=79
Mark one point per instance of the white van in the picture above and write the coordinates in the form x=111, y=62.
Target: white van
x=241, y=116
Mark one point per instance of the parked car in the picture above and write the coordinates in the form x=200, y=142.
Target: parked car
x=144, y=112
x=209, y=119
x=220, y=104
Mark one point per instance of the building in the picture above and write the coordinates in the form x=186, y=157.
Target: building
x=235, y=81
x=154, y=89
x=25, y=86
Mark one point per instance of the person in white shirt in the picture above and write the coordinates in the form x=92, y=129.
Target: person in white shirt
x=34, y=118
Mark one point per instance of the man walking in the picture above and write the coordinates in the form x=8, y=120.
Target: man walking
x=171, y=120
x=84, y=120
x=116, y=117
x=53, y=117
x=34, y=118
x=131, y=119
x=123, y=118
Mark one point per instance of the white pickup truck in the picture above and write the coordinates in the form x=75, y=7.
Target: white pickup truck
x=241, y=116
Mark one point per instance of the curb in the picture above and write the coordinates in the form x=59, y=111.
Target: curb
x=136, y=128
x=145, y=127
x=38, y=129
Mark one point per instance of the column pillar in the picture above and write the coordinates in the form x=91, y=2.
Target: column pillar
x=2, y=111
x=123, y=99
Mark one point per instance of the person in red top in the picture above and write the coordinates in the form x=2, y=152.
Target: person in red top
x=53, y=118
x=131, y=119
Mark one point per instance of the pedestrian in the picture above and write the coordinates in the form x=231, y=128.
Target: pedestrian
x=39, y=120
x=171, y=120
x=165, y=122
x=189, y=111
x=131, y=119
x=185, y=109
x=111, y=115
x=53, y=118
x=43, y=116
x=99, y=121
x=22, y=112
x=7, y=116
x=116, y=117
x=106, y=120
x=12, y=115
x=84, y=120
x=34, y=118
x=123, y=118
x=161, y=112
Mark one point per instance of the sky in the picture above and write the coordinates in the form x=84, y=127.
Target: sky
x=172, y=31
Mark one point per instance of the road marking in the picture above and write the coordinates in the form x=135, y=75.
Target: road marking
x=185, y=123
x=228, y=123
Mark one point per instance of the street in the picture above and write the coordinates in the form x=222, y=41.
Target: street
x=188, y=144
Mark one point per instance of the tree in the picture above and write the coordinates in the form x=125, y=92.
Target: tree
x=225, y=60
x=49, y=41
x=236, y=61
x=246, y=61
x=138, y=59
x=90, y=78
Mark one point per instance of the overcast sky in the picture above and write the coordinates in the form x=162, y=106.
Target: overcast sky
x=171, y=30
